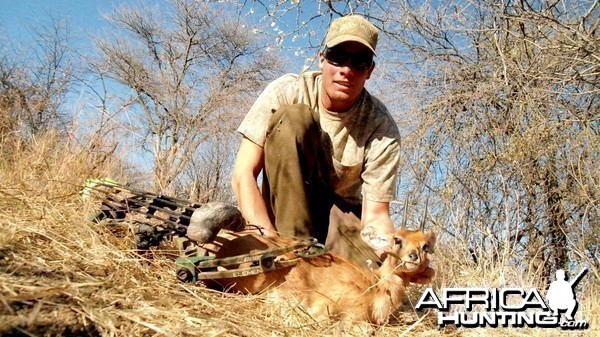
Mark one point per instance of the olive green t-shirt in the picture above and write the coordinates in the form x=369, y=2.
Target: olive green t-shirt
x=364, y=142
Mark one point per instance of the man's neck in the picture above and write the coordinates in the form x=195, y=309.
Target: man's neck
x=336, y=106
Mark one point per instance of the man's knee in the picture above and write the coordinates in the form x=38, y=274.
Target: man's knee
x=293, y=121
x=343, y=235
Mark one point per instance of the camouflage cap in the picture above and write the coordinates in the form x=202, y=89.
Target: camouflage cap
x=352, y=28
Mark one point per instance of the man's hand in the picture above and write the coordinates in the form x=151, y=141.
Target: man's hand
x=266, y=232
x=379, y=242
x=373, y=238
x=377, y=225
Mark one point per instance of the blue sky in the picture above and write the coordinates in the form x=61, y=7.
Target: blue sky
x=85, y=19
x=83, y=16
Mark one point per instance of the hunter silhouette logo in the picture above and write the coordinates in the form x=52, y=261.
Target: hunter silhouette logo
x=561, y=294
x=508, y=307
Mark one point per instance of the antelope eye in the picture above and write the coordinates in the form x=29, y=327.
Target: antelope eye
x=398, y=241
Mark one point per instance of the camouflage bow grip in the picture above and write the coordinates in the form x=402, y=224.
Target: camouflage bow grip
x=192, y=269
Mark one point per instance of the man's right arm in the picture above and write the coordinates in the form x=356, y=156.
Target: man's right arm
x=249, y=163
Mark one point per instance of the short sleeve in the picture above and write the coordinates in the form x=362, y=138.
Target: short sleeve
x=279, y=92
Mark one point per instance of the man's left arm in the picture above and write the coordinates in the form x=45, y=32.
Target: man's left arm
x=379, y=184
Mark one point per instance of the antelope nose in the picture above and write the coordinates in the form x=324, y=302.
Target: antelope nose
x=413, y=256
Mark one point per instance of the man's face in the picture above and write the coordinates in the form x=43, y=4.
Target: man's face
x=345, y=70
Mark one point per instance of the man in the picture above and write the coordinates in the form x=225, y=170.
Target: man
x=328, y=150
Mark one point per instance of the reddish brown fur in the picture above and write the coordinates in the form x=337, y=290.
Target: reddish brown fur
x=329, y=285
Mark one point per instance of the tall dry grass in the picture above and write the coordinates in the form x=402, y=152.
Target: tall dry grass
x=62, y=275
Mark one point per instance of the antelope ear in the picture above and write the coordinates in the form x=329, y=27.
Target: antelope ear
x=431, y=239
x=397, y=241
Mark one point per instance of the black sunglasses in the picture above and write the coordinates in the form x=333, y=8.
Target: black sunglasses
x=338, y=57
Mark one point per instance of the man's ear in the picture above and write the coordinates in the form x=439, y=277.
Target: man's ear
x=321, y=60
x=371, y=70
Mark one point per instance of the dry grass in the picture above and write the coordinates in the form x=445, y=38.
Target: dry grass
x=61, y=275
